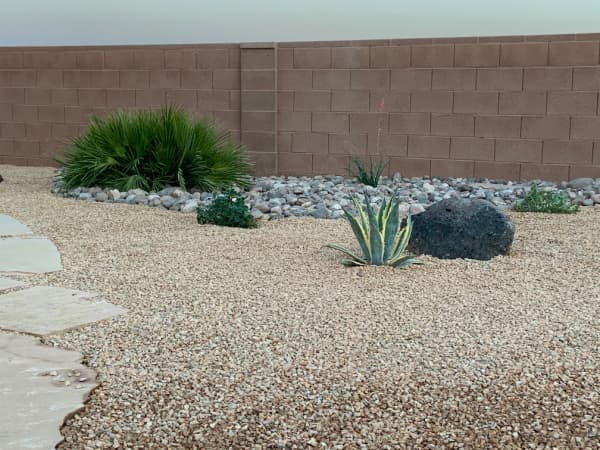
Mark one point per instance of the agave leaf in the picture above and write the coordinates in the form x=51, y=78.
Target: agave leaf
x=403, y=261
x=361, y=216
x=375, y=236
x=360, y=226
x=389, y=208
x=403, y=239
x=347, y=252
x=392, y=223
x=381, y=214
x=352, y=263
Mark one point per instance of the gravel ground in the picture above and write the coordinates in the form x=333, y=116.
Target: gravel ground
x=260, y=339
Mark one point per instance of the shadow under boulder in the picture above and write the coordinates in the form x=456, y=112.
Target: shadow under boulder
x=462, y=228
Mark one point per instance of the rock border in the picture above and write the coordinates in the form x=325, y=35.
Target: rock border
x=324, y=197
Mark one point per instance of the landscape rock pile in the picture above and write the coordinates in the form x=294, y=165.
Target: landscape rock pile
x=325, y=196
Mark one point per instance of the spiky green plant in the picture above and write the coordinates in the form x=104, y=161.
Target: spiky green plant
x=369, y=175
x=381, y=237
x=152, y=149
x=545, y=202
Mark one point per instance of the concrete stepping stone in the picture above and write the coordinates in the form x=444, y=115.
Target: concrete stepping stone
x=10, y=226
x=35, y=255
x=39, y=387
x=7, y=283
x=44, y=310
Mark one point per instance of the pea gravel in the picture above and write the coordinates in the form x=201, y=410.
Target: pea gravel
x=260, y=339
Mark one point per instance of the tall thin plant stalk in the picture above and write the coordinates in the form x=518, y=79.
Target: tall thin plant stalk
x=372, y=174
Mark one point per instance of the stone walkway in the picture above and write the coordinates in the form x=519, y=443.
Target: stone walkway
x=39, y=385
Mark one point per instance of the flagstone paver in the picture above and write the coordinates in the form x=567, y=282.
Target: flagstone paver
x=34, y=255
x=8, y=283
x=11, y=227
x=39, y=387
x=44, y=310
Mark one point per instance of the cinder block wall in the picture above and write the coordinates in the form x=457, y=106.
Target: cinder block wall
x=508, y=107
x=48, y=94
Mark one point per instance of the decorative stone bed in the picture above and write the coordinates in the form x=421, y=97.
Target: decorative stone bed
x=325, y=196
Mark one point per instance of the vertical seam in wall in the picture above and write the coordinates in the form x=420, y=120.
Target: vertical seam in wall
x=521, y=129
x=543, y=150
x=522, y=79
x=430, y=119
x=276, y=106
x=498, y=103
x=495, y=149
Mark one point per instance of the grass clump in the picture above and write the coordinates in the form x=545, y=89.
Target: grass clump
x=369, y=175
x=153, y=149
x=380, y=234
x=228, y=210
x=545, y=202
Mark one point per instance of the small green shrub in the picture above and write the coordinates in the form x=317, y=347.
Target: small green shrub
x=153, y=149
x=545, y=202
x=368, y=175
x=228, y=210
x=381, y=237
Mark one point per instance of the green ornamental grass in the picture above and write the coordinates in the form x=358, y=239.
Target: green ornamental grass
x=545, y=202
x=368, y=175
x=153, y=149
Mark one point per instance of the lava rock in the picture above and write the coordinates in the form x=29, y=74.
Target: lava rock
x=462, y=228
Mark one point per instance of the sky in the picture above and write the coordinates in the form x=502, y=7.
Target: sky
x=105, y=22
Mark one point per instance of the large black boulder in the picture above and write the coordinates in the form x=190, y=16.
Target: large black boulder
x=462, y=228
x=1, y=178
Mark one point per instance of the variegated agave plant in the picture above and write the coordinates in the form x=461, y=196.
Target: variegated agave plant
x=380, y=235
